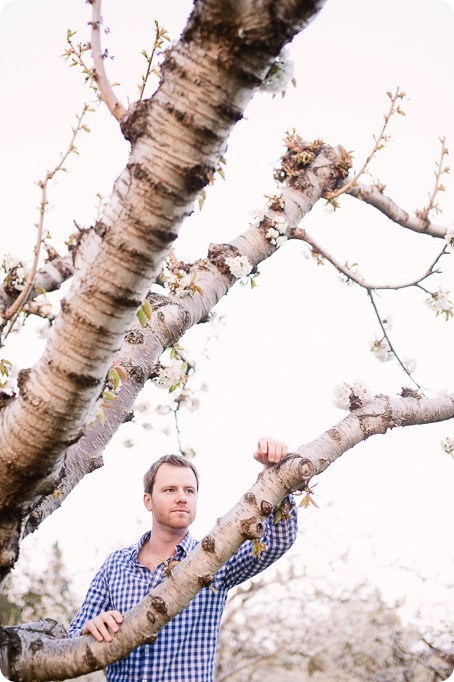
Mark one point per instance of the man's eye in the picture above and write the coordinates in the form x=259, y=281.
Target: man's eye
x=190, y=490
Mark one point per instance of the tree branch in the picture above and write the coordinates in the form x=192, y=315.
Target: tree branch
x=374, y=196
x=300, y=233
x=15, y=307
x=108, y=96
x=215, y=70
x=380, y=140
x=173, y=315
x=30, y=660
x=48, y=278
x=390, y=344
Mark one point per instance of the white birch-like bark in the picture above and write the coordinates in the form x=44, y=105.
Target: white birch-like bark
x=28, y=657
x=49, y=278
x=177, y=139
x=174, y=315
x=375, y=197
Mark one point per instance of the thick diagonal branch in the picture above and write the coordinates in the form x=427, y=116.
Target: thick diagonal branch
x=34, y=658
x=177, y=139
x=174, y=315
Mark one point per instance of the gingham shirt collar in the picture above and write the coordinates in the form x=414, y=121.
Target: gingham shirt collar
x=181, y=550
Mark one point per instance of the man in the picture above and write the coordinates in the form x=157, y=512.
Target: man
x=185, y=648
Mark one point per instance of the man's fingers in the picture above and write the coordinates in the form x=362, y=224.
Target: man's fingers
x=262, y=446
x=270, y=450
x=104, y=632
x=117, y=615
x=103, y=625
x=91, y=629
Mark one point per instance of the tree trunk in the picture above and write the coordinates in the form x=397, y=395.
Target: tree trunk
x=177, y=139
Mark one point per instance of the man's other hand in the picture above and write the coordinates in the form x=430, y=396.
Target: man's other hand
x=270, y=452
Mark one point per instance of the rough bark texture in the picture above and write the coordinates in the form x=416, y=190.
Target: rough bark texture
x=174, y=315
x=177, y=139
x=31, y=657
x=375, y=197
x=49, y=278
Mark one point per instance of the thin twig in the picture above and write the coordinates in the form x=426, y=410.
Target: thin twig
x=299, y=233
x=106, y=92
x=379, y=142
x=424, y=213
x=160, y=34
x=391, y=347
x=16, y=307
x=177, y=428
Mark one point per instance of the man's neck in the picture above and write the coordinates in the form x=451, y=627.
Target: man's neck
x=163, y=541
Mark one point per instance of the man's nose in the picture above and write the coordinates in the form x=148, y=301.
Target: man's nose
x=181, y=496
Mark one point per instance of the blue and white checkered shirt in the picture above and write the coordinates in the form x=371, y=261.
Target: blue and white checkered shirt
x=185, y=648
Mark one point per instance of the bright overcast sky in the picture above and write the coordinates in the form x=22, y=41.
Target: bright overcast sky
x=287, y=343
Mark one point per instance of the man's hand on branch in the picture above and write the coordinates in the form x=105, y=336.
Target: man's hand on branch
x=270, y=452
x=103, y=625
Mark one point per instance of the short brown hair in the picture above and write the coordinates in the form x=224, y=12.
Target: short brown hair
x=174, y=460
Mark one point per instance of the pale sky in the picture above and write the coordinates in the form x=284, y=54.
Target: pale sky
x=287, y=343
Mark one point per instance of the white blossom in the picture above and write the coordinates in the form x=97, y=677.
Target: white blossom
x=15, y=270
x=344, y=392
x=239, y=266
x=179, y=282
x=448, y=445
x=280, y=75
x=281, y=224
x=342, y=396
x=381, y=350
x=388, y=323
x=440, y=302
x=9, y=262
x=8, y=377
x=449, y=237
x=170, y=375
x=8, y=384
x=272, y=234
x=258, y=215
x=410, y=365
x=276, y=233
x=45, y=309
x=362, y=391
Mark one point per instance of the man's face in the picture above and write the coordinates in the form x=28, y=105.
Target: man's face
x=173, y=501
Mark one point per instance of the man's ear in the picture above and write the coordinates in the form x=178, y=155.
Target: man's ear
x=147, y=502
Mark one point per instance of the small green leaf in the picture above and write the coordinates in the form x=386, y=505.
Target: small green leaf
x=142, y=318
x=147, y=309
